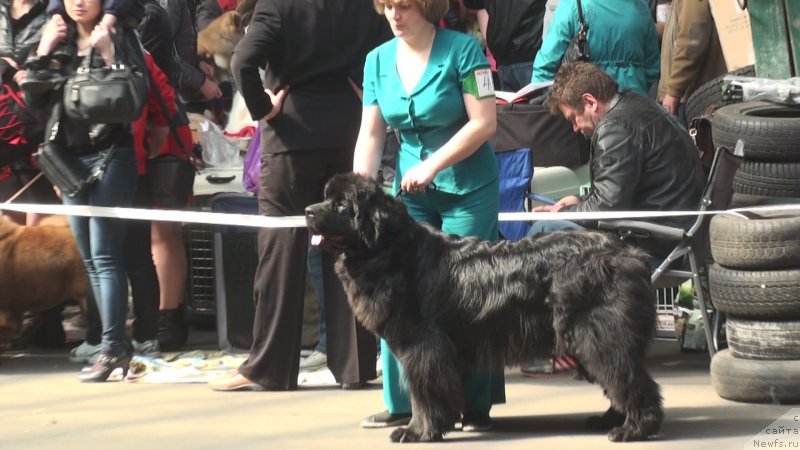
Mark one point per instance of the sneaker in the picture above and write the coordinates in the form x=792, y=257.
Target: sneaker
x=314, y=361
x=550, y=367
x=385, y=419
x=147, y=348
x=84, y=353
x=474, y=422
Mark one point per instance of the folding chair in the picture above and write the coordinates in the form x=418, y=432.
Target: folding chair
x=691, y=248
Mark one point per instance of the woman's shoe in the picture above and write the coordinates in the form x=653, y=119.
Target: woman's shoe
x=105, y=364
x=172, y=329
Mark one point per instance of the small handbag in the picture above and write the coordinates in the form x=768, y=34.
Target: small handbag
x=578, y=48
x=62, y=167
x=170, y=178
x=108, y=94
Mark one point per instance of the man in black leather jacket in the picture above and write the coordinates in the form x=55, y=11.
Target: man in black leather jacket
x=641, y=156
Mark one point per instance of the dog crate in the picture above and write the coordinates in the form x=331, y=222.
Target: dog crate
x=666, y=299
x=200, y=285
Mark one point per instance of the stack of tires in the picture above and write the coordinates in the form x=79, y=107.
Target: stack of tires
x=755, y=281
x=770, y=171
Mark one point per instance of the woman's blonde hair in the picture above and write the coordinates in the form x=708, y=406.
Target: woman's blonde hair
x=432, y=10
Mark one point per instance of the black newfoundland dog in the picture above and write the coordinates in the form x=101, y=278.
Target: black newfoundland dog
x=446, y=304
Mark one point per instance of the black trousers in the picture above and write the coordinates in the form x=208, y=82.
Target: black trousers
x=289, y=182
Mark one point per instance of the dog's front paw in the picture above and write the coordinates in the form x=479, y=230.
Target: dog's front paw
x=626, y=434
x=607, y=421
x=408, y=434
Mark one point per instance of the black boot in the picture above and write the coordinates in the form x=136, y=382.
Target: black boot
x=172, y=329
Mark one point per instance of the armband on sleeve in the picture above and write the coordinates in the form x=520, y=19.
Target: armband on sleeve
x=479, y=83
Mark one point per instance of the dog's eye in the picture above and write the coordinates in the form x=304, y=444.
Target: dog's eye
x=341, y=206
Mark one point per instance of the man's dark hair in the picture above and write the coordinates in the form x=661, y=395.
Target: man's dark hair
x=578, y=78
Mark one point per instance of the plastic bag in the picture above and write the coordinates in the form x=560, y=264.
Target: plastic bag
x=747, y=89
x=218, y=150
x=252, y=164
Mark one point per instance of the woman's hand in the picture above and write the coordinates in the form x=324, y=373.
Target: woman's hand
x=277, y=103
x=210, y=90
x=19, y=76
x=207, y=69
x=418, y=178
x=53, y=33
x=101, y=41
x=566, y=201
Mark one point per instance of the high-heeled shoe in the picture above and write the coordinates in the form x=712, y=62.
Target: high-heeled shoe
x=105, y=364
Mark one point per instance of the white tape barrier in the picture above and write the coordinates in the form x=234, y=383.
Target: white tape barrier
x=250, y=220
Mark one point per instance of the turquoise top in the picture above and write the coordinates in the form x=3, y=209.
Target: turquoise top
x=434, y=111
x=622, y=41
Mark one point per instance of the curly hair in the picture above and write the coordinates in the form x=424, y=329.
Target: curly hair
x=432, y=10
x=578, y=78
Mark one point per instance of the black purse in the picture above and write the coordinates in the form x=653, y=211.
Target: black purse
x=108, y=94
x=578, y=48
x=62, y=167
x=170, y=178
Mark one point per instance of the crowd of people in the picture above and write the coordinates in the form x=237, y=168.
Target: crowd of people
x=338, y=74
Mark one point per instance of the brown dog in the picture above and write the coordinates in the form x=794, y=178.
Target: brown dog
x=218, y=39
x=40, y=268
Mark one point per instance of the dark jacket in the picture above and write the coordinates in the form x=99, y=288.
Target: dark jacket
x=311, y=46
x=17, y=43
x=514, y=34
x=185, y=38
x=643, y=160
x=205, y=13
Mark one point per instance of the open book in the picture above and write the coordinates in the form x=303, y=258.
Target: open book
x=511, y=97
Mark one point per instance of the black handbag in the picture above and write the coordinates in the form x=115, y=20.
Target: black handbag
x=578, y=48
x=62, y=167
x=170, y=178
x=108, y=94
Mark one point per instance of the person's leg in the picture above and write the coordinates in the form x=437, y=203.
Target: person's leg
x=475, y=214
x=107, y=240
x=398, y=404
x=169, y=257
x=142, y=277
x=318, y=358
x=548, y=226
x=289, y=182
x=350, y=346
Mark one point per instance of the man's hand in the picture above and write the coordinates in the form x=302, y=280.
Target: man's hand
x=109, y=22
x=566, y=201
x=19, y=76
x=210, y=90
x=277, y=103
x=670, y=103
x=53, y=32
x=207, y=69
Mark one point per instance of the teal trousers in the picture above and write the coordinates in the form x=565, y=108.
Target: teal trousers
x=472, y=214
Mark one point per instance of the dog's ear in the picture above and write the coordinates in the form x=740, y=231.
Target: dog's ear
x=379, y=218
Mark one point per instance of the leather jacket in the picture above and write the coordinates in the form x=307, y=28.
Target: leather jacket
x=642, y=159
x=18, y=46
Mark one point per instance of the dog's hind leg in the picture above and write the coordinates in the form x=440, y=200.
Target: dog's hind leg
x=435, y=382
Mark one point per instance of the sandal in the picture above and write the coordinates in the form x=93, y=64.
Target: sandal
x=549, y=368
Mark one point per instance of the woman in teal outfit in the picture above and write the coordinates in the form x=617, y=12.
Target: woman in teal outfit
x=435, y=88
x=622, y=41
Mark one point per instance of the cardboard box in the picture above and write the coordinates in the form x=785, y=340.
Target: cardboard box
x=735, y=33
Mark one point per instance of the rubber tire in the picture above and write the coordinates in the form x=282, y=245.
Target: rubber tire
x=750, y=339
x=755, y=381
x=770, y=132
x=710, y=94
x=768, y=294
x=768, y=243
x=767, y=179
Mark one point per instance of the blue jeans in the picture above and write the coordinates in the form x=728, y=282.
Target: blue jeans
x=101, y=242
x=548, y=226
x=514, y=77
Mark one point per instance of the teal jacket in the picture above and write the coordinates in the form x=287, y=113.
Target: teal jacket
x=622, y=41
x=433, y=112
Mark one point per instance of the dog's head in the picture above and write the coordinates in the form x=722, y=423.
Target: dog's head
x=356, y=217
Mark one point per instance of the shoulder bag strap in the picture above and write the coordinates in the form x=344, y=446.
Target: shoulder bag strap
x=584, y=28
x=170, y=122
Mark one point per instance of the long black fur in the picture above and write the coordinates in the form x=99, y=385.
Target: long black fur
x=446, y=304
